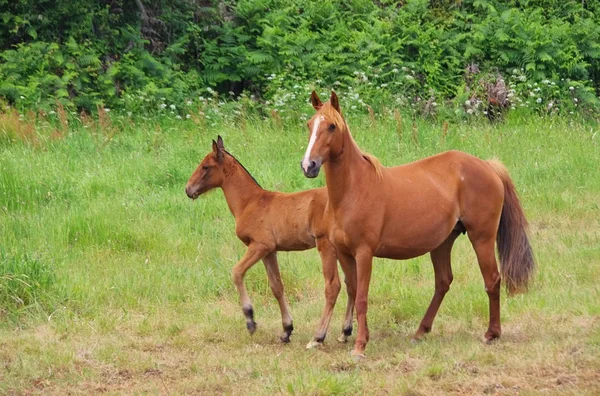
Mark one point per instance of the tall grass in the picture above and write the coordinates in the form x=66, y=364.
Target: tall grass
x=99, y=236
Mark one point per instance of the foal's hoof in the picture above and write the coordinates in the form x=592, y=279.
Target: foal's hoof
x=285, y=338
x=357, y=356
x=314, y=344
x=343, y=338
x=251, y=327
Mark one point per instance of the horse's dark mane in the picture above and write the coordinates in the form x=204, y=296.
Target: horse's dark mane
x=243, y=167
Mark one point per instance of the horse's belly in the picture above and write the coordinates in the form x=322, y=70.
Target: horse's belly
x=408, y=241
x=400, y=253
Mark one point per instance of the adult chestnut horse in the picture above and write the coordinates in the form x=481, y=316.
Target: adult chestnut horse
x=268, y=222
x=409, y=210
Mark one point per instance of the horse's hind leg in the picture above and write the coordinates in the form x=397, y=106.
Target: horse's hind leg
x=332, y=289
x=484, y=249
x=440, y=257
x=254, y=253
x=276, y=284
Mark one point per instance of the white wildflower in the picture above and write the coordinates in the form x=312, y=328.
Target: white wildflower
x=539, y=100
x=172, y=107
x=188, y=116
x=571, y=88
x=394, y=70
x=469, y=111
x=189, y=103
x=178, y=117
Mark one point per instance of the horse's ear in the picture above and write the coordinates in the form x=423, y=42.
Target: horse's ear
x=335, y=102
x=215, y=147
x=220, y=143
x=316, y=102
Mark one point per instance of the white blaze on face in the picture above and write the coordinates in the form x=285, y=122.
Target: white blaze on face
x=311, y=142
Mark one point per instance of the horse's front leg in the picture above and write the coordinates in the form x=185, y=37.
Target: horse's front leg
x=332, y=289
x=254, y=253
x=364, y=265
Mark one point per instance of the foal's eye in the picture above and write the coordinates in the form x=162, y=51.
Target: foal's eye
x=205, y=167
x=331, y=127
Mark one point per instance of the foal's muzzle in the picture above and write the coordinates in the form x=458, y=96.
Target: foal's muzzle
x=191, y=193
x=312, y=170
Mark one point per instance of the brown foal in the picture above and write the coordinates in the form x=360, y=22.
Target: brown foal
x=409, y=210
x=268, y=222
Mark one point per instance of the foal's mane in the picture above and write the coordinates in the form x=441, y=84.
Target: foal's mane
x=243, y=167
x=338, y=120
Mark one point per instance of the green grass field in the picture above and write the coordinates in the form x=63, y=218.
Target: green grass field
x=112, y=280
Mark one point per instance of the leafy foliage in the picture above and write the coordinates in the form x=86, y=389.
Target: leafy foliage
x=88, y=53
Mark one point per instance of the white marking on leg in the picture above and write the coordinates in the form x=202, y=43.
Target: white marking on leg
x=311, y=143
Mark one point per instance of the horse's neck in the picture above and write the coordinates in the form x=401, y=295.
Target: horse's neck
x=239, y=189
x=344, y=173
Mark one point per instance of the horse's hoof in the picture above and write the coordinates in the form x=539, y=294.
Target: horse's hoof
x=251, y=327
x=490, y=337
x=314, y=344
x=416, y=339
x=343, y=339
x=357, y=356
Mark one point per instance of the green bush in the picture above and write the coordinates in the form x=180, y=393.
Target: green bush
x=409, y=53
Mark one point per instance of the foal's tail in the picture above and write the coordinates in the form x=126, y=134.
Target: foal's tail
x=516, y=257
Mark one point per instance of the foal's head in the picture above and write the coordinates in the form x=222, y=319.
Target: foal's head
x=326, y=128
x=209, y=173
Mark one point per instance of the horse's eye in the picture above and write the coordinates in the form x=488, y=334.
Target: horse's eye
x=205, y=167
x=331, y=127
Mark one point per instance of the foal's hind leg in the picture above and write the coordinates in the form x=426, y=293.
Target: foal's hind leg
x=276, y=284
x=332, y=289
x=349, y=267
x=440, y=257
x=254, y=253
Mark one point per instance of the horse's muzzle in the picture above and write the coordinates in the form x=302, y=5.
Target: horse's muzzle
x=312, y=170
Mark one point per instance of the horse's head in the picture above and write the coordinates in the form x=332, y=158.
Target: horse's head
x=326, y=129
x=209, y=173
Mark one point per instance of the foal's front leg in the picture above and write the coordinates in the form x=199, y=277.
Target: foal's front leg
x=254, y=253
x=276, y=284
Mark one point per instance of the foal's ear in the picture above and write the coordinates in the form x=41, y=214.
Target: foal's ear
x=218, y=150
x=335, y=102
x=316, y=102
x=220, y=143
